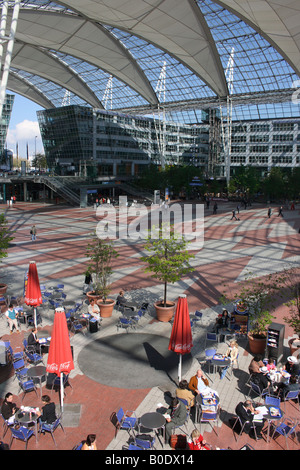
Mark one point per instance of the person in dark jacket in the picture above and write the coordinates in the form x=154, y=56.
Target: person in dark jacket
x=8, y=408
x=246, y=412
x=175, y=416
x=32, y=341
x=48, y=414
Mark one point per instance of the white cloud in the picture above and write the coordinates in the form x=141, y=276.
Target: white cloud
x=25, y=132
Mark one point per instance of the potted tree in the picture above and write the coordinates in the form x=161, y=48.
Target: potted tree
x=257, y=295
x=5, y=239
x=101, y=254
x=292, y=280
x=168, y=260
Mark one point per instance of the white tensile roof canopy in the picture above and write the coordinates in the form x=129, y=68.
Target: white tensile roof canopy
x=121, y=46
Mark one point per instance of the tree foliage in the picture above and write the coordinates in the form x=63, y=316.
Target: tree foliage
x=5, y=237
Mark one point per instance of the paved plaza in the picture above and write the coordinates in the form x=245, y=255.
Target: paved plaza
x=135, y=370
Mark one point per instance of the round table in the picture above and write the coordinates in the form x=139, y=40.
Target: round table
x=152, y=421
x=25, y=418
x=269, y=417
x=225, y=362
x=37, y=372
x=199, y=402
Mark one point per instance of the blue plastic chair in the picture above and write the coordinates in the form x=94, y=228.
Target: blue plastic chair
x=23, y=434
x=33, y=357
x=255, y=389
x=209, y=417
x=291, y=395
x=286, y=429
x=45, y=427
x=126, y=421
x=273, y=401
x=6, y=424
x=20, y=369
x=27, y=386
x=145, y=444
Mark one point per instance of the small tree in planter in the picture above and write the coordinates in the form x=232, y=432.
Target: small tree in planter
x=101, y=254
x=258, y=295
x=168, y=260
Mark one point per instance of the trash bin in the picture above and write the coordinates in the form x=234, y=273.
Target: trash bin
x=93, y=325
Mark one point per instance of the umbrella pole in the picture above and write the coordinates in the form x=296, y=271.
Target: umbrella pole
x=34, y=317
x=179, y=367
x=62, y=391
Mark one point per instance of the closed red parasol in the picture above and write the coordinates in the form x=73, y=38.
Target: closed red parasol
x=181, y=340
x=33, y=296
x=60, y=358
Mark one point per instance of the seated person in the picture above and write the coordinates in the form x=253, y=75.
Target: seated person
x=183, y=392
x=121, y=300
x=48, y=413
x=223, y=321
x=271, y=365
x=196, y=441
x=177, y=416
x=284, y=388
x=246, y=412
x=32, y=341
x=198, y=383
x=8, y=408
x=231, y=353
x=255, y=365
x=94, y=310
x=90, y=443
x=292, y=365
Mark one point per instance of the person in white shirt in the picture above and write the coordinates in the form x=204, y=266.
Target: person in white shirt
x=94, y=310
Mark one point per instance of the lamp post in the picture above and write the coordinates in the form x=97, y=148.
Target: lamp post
x=35, y=151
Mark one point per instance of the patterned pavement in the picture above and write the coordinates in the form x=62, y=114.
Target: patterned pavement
x=231, y=250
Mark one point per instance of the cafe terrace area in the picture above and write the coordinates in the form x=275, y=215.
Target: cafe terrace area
x=133, y=369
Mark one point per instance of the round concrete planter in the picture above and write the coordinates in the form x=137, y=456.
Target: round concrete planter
x=3, y=289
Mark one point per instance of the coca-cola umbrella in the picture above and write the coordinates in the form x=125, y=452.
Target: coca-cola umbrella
x=33, y=296
x=60, y=358
x=181, y=340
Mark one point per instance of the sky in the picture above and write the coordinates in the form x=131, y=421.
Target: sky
x=24, y=128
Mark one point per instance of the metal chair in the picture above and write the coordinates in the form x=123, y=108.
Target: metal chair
x=6, y=424
x=242, y=426
x=20, y=369
x=125, y=323
x=211, y=336
x=286, y=429
x=56, y=382
x=33, y=357
x=45, y=427
x=27, y=386
x=76, y=327
x=126, y=420
x=23, y=434
x=209, y=354
x=255, y=389
x=210, y=417
x=291, y=395
x=273, y=401
x=145, y=442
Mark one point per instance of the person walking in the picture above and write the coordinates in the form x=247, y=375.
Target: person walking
x=269, y=212
x=280, y=212
x=11, y=316
x=33, y=233
x=233, y=215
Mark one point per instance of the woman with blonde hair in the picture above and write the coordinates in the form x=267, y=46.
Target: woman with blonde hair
x=196, y=441
x=231, y=353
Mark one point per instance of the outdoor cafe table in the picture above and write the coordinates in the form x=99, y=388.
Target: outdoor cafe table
x=272, y=417
x=27, y=417
x=154, y=421
x=37, y=372
x=224, y=362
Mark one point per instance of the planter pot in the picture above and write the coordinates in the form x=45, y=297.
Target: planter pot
x=164, y=314
x=106, y=308
x=3, y=288
x=257, y=345
x=92, y=296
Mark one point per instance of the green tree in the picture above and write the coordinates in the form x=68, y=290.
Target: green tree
x=101, y=254
x=274, y=185
x=168, y=257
